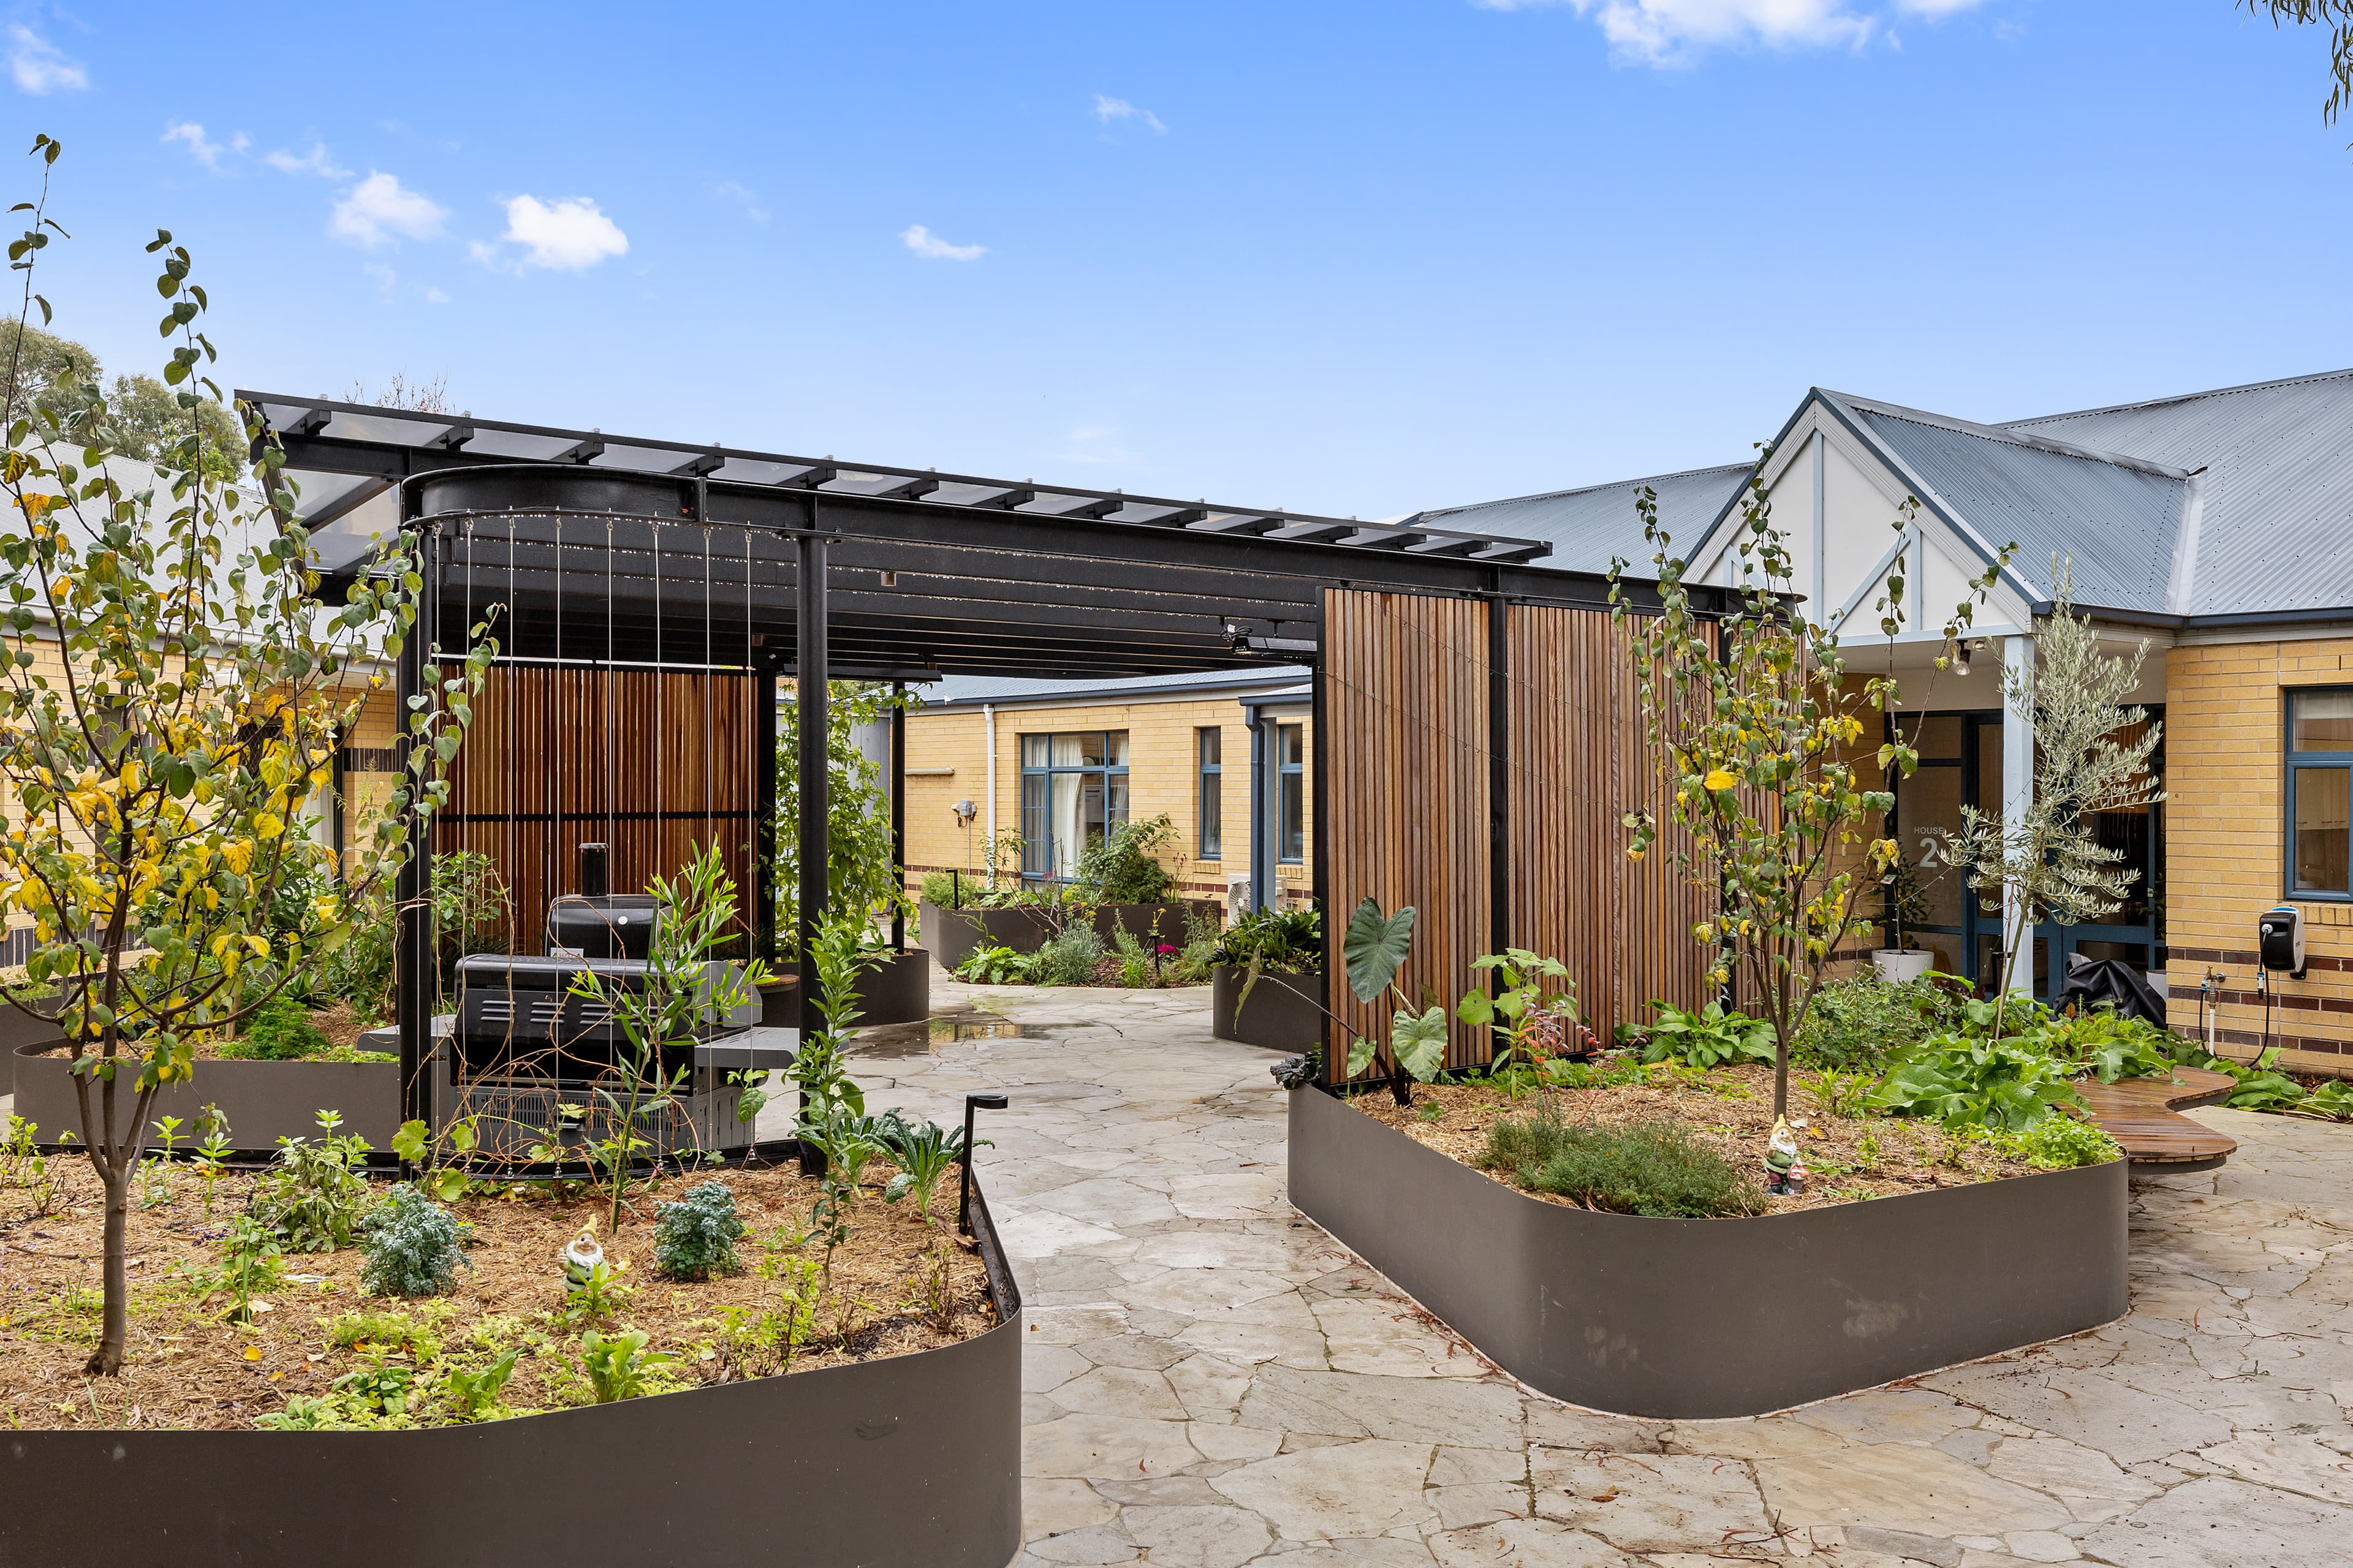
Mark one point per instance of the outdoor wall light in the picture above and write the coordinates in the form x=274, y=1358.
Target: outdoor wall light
x=1962, y=651
x=963, y=810
x=972, y=1102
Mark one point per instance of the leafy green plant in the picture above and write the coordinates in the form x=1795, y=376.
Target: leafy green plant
x=1069, y=957
x=619, y=1365
x=1859, y=1023
x=476, y=1393
x=212, y=1154
x=924, y=1155
x=156, y=1176
x=1961, y=1083
x=848, y=1142
x=1122, y=867
x=1538, y=1027
x=695, y=1236
x=1709, y=1037
x=311, y=1195
x=251, y=1260
x=1138, y=968
x=816, y=1071
x=1657, y=1168
x=998, y=965
x=943, y=889
x=1841, y=1094
x=418, y=1145
x=388, y=1330
x=861, y=878
x=280, y=1031
x=382, y=1385
x=1375, y=949
x=2055, y=1143
x=412, y=1245
x=1298, y=1072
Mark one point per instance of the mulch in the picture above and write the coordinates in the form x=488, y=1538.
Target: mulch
x=188, y=1366
x=1729, y=1109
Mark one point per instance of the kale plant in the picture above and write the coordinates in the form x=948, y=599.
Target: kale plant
x=695, y=1236
x=414, y=1246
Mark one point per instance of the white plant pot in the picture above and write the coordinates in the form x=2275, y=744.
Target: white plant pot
x=1897, y=964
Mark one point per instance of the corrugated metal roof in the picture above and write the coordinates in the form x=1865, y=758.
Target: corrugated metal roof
x=2116, y=522
x=2273, y=522
x=1588, y=527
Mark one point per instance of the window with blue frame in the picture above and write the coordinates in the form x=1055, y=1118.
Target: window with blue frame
x=1073, y=792
x=2320, y=792
x=1208, y=746
x=1291, y=772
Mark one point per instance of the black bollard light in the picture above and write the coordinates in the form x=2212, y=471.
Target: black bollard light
x=972, y=1102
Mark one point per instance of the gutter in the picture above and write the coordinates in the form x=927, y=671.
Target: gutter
x=2167, y=621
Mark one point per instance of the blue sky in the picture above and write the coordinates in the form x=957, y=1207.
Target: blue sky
x=1358, y=259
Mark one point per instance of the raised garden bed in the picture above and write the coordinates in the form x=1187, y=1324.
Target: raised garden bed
x=16, y=1029
x=952, y=934
x=263, y=1100
x=1282, y=1012
x=897, y=990
x=883, y=1459
x=1692, y=1318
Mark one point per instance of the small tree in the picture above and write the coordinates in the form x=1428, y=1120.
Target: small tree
x=2050, y=865
x=1776, y=823
x=172, y=696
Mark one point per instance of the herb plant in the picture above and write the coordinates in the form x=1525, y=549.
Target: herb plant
x=695, y=1236
x=924, y=1155
x=619, y=1365
x=413, y=1246
x=1657, y=1169
x=475, y=1392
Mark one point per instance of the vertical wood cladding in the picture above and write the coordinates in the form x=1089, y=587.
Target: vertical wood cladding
x=656, y=764
x=1406, y=697
x=1579, y=765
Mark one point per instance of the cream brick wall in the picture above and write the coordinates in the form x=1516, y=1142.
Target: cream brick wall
x=1162, y=777
x=2224, y=710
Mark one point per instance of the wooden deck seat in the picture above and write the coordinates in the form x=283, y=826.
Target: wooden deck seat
x=2144, y=1115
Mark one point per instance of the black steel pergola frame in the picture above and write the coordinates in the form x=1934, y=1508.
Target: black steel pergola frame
x=888, y=574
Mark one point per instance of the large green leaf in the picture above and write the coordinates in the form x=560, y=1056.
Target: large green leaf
x=1418, y=1041
x=1374, y=947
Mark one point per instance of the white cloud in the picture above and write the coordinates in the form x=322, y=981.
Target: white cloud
x=742, y=196
x=1932, y=9
x=38, y=66
x=1109, y=109
x=433, y=296
x=202, y=149
x=314, y=161
x=564, y=235
x=380, y=208
x=924, y=243
x=1664, y=32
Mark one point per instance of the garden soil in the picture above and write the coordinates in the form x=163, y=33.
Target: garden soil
x=188, y=1366
x=1728, y=1110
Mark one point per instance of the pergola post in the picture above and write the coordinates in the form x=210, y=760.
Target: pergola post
x=899, y=811
x=812, y=725
x=414, y=959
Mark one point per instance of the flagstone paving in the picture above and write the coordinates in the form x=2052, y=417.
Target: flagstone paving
x=1212, y=1381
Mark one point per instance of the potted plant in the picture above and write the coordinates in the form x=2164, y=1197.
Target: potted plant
x=1267, y=980
x=1907, y=905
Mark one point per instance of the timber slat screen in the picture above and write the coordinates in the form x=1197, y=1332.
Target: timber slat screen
x=656, y=764
x=1406, y=706
x=1579, y=764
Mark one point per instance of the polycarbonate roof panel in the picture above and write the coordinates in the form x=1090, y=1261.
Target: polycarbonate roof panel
x=1587, y=528
x=2275, y=526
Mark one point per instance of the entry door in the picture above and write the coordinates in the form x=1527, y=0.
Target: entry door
x=1960, y=764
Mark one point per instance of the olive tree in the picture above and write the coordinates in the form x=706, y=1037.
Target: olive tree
x=173, y=692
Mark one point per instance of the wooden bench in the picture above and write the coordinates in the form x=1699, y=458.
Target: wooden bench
x=2144, y=1115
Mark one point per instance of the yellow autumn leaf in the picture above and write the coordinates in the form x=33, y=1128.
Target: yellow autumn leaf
x=268, y=825
x=1718, y=779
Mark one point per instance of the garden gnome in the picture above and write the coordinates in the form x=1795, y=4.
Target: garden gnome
x=1783, y=1173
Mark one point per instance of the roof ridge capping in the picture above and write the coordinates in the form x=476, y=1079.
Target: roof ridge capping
x=2007, y=437
x=2180, y=397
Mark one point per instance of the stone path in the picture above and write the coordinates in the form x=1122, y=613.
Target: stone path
x=1212, y=1381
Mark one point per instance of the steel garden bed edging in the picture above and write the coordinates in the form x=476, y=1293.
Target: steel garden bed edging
x=910, y=1462
x=1280, y=1013
x=263, y=1100
x=1694, y=1318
